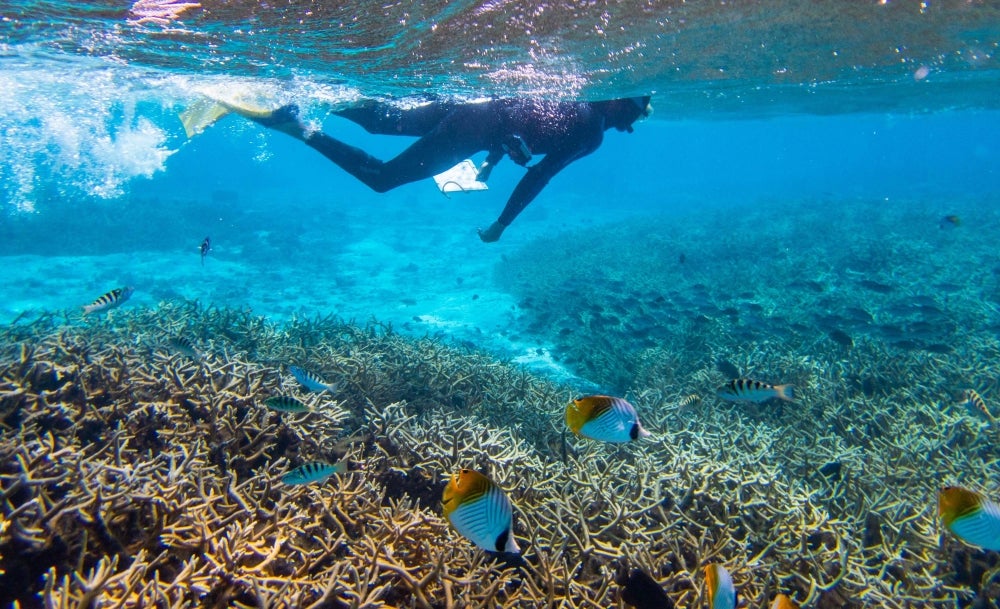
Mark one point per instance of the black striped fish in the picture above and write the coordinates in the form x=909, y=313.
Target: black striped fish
x=749, y=390
x=971, y=517
x=310, y=380
x=285, y=403
x=184, y=346
x=974, y=402
x=604, y=418
x=315, y=471
x=109, y=301
x=480, y=511
x=688, y=400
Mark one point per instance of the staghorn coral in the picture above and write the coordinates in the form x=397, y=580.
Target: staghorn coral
x=130, y=477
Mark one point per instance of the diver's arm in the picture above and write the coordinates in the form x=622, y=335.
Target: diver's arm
x=528, y=188
x=487, y=167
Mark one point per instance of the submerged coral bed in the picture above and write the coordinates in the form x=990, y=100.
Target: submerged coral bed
x=134, y=475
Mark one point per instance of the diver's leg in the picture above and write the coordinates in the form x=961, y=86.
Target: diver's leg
x=389, y=119
x=427, y=157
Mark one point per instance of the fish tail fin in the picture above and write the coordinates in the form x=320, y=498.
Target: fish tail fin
x=200, y=115
x=786, y=392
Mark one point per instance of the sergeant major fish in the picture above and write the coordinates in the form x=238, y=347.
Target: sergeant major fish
x=310, y=380
x=749, y=390
x=109, y=301
x=184, y=346
x=973, y=401
x=286, y=403
x=315, y=471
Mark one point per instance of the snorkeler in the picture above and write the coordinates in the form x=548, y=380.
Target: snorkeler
x=452, y=131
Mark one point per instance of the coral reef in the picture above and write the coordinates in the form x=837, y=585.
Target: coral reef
x=131, y=475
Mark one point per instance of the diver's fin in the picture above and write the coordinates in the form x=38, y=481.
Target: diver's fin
x=199, y=115
x=207, y=110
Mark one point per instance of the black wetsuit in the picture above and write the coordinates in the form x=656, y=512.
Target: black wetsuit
x=450, y=132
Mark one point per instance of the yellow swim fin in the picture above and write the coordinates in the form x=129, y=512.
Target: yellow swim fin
x=199, y=115
x=204, y=112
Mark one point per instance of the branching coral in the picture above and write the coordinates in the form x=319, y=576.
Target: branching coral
x=132, y=476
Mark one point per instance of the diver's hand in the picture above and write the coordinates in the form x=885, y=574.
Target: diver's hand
x=484, y=172
x=492, y=233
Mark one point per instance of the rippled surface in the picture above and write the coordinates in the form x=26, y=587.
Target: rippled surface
x=758, y=58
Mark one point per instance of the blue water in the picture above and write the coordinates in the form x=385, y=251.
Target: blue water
x=780, y=213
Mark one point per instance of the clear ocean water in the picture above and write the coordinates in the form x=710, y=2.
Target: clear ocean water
x=891, y=101
x=792, y=188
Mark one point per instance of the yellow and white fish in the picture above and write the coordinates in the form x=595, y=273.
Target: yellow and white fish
x=604, y=418
x=783, y=602
x=749, y=390
x=480, y=511
x=720, y=588
x=971, y=517
x=109, y=301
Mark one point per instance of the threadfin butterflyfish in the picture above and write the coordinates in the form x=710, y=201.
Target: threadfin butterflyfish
x=604, y=418
x=783, y=602
x=480, y=511
x=310, y=380
x=315, y=471
x=749, y=390
x=719, y=587
x=970, y=516
x=109, y=301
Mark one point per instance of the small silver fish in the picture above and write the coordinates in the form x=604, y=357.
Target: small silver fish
x=315, y=471
x=754, y=391
x=109, y=301
x=285, y=403
x=310, y=380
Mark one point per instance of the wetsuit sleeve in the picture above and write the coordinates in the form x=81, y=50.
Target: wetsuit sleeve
x=536, y=178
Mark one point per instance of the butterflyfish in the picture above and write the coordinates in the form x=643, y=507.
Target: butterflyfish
x=109, y=301
x=310, y=380
x=748, y=390
x=783, y=602
x=971, y=517
x=480, y=511
x=315, y=471
x=285, y=403
x=719, y=586
x=604, y=418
